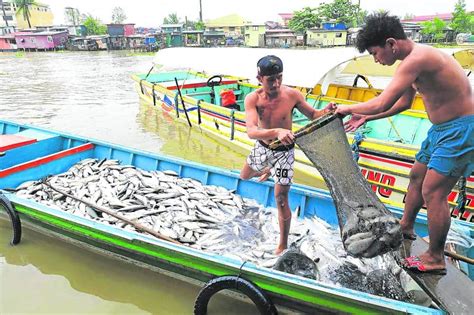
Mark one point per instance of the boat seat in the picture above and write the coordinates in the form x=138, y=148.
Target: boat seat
x=8, y=142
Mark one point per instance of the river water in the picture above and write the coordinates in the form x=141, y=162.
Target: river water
x=91, y=94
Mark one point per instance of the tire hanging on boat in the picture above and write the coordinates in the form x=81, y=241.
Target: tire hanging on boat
x=262, y=302
x=15, y=219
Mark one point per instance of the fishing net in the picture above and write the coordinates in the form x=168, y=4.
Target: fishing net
x=367, y=228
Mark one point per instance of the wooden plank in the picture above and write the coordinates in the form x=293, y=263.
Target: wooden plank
x=453, y=292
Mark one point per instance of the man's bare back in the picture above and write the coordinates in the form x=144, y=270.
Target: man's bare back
x=442, y=83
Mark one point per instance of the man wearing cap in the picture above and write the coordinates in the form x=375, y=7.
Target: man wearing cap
x=269, y=117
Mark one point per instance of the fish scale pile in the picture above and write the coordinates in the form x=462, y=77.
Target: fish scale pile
x=204, y=217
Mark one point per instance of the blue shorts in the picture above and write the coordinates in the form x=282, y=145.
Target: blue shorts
x=449, y=147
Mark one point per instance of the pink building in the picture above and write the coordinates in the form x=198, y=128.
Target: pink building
x=286, y=17
x=41, y=40
x=7, y=42
x=423, y=18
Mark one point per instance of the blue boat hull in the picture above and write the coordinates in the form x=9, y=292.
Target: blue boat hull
x=54, y=152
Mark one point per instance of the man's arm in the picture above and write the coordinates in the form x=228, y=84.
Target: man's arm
x=256, y=132
x=308, y=110
x=400, y=85
x=402, y=104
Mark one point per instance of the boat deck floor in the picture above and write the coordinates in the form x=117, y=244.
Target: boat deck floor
x=453, y=292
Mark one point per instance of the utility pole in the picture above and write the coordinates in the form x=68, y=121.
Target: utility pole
x=200, y=10
x=358, y=9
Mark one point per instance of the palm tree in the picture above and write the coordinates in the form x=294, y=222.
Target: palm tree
x=23, y=6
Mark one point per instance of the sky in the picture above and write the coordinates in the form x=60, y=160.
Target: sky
x=150, y=13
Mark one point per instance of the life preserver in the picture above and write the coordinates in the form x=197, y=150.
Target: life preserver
x=16, y=223
x=263, y=303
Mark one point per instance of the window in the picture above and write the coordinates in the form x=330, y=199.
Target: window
x=339, y=35
x=231, y=28
x=33, y=40
x=255, y=28
x=49, y=39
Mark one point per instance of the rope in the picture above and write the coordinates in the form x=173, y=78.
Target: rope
x=358, y=137
x=240, y=269
x=461, y=201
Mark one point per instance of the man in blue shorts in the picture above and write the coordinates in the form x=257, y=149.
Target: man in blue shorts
x=448, y=151
x=268, y=113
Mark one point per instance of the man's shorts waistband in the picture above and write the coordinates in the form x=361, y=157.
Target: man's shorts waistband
x=455, y=122
x=279, y=148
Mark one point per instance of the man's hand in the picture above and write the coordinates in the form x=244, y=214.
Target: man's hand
x=285, y=136
x=355, y=122
x=330, y=107
x=343, y=110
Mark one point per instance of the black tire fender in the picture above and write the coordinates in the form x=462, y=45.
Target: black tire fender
x=14, y=218
x=261, y=301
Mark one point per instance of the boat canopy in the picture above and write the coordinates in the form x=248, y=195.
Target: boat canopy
x=366, y=66
x=301, y=67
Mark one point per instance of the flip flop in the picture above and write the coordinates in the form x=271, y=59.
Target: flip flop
x=414, y=263
x=409, y=236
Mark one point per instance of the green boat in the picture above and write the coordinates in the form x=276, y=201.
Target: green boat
x=32, y=153
x=385, y=149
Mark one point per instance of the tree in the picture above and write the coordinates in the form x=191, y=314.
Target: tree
x=342, y=11
x=434, y=28
x=304, y=20
x=118, y=15
x=23, y=7
x=172, y=18
x=462, y=21
x=94, y=26
x=199, y=26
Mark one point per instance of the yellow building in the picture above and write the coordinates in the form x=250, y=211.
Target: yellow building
x=41, y=15
x=325, y=38
x=254, y=35
x=232, y=25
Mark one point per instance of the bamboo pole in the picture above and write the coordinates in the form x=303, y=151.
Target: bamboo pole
x=115, y=215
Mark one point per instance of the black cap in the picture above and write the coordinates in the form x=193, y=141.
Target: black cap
x=269, y=65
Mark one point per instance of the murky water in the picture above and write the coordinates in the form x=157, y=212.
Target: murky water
x=91, y=94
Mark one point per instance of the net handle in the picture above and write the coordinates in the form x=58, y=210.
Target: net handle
x=312, y=126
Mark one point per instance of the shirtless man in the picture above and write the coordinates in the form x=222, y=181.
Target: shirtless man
x=448, y=151
x=269, y=117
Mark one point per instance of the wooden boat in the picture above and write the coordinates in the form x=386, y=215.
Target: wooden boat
x=32, y=153
x=386, y=150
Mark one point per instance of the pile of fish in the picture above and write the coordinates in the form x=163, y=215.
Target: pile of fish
x=205, y=217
